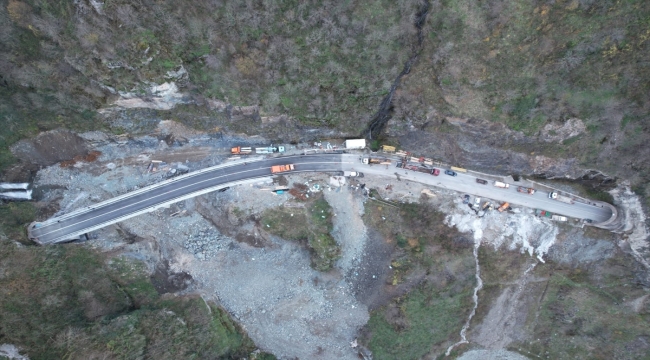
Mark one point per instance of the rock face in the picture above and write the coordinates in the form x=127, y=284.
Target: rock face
x=50, y=147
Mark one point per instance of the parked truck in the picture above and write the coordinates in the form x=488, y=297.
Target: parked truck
x=376, y=161
x=526, y=190
x=238, y=150
x=501, y=184
x=556, y=196
x=543, y=213
x=558, y=218
x=281, y=168
x=352, y=174
x=503, y=207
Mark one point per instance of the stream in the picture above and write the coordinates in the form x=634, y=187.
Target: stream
x=381, y=117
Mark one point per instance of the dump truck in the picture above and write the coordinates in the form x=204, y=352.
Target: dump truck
x=559, y=218
x=526, y=190
x=556, y=196
x=543, y=213
x=238, y=150
x=503, y=207
x=501, y=184
x=281, y=168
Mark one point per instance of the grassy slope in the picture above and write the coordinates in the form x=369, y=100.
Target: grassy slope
x=325, y=63
x=67, y=301
x=429, y=317
x=312, y=225
x=527, y=64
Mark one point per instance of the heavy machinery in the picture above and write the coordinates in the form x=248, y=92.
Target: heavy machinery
x=504, y=207
x=281, y=168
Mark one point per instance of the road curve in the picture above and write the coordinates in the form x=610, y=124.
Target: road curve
x=65, y=228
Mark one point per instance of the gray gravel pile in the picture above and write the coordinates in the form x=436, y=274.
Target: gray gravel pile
x=206, y=243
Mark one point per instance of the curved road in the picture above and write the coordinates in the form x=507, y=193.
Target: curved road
x=67, y=227
x=64, y=228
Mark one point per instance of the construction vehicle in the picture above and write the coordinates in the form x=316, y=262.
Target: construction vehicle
x=559, y=218
x=238, y=150
x=281, y=168
x=487, y=205
x=388, y=148
x=556, y=196
x=543, y=213
x=526, y=190
x=501, y=185
x=503, y=207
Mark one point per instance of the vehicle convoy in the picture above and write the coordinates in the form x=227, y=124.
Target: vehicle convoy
x=481, y=181
x=501, y=184
x=421, y=169
x=281, y=168
x=238, y=150
x=556, y=196
x=526, y=190
x=504, y=207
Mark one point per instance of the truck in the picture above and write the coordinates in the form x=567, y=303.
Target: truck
x=281, y=168
x=543, y=213
x=558, y=218
x=503, y=207
x=526, y=190
x=376, y=161
x=426, y=161
x=501, y=184
x=238, y=150
x=352, y=174
x=269, y=150
x=556, y=196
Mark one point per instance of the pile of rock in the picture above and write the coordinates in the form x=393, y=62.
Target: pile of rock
x=206, y=243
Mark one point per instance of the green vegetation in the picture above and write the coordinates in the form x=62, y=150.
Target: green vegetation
x=312, y=226
x=67, y=302
x=14, y=218
x=429, y=317
x=584, y=317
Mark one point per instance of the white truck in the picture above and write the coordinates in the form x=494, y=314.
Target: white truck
x=352, y=174
x=501, y=184
x=556, y=196
x=558, y=218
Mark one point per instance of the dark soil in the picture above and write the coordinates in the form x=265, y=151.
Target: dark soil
x=166, y=281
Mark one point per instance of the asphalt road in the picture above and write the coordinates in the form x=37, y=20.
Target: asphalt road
x=61, y=229
x=467, y=184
